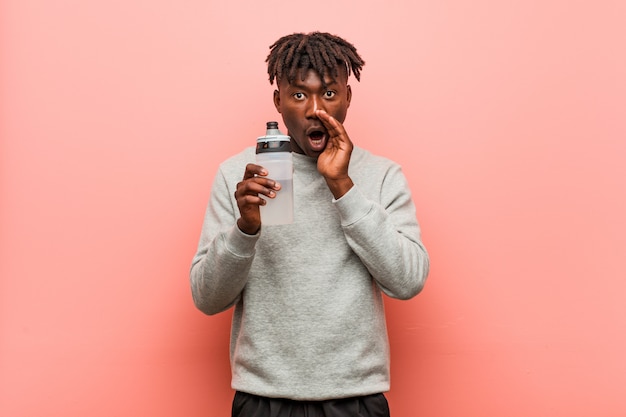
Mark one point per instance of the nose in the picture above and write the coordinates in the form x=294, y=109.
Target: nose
x=315, y=103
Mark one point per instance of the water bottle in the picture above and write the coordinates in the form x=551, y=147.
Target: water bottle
x=273, y=152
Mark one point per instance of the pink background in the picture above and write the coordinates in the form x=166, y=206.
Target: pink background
x=507, y=116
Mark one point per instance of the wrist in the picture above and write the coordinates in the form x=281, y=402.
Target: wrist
x=338, y=187
x=247, y=228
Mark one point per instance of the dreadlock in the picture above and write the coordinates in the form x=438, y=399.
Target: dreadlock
x=321, y=52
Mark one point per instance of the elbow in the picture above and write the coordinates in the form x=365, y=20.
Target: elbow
x=211, y=296
x=411, y=289
x=414, y=282
x=201, y=291
x=203, y=305
x=202, y=299
x=405, y=291
x=207, y=302
x=420, y=273
x=210, y=302
x=208, y=307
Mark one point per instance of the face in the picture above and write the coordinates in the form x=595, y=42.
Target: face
x=298, y=101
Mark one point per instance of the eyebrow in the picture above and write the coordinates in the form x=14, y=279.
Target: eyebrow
x=299, y=84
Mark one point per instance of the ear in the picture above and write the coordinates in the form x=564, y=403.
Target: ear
x=277, y=100
x=349, y=94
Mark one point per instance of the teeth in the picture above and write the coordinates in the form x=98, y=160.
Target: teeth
x=317, y=142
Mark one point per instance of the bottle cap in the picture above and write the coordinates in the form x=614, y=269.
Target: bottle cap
x=273, y=141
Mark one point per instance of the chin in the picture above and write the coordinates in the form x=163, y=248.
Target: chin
x=312, y=154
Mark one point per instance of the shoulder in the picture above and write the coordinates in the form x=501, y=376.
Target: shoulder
x=378, y=177
x=365, y=162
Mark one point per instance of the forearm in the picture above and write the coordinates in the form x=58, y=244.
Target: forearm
x=220, y=269
x=339, y=187
x=387, y=242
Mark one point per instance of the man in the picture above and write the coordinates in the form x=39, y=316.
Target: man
x=308, y=334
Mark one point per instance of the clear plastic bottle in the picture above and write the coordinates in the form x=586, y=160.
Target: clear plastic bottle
x=273, y=152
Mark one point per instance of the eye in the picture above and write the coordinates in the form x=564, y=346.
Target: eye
x=329, y=94
x=298, y=96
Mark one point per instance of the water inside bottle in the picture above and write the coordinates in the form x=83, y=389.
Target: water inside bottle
x=279, y=210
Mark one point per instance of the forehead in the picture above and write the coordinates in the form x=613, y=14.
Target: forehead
x=311, y=76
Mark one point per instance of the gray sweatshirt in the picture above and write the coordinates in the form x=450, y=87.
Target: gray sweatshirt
x=309, y=321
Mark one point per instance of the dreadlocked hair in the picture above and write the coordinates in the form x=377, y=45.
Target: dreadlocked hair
x=321, y=52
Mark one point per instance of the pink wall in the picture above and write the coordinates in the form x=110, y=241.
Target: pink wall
x=509, y=118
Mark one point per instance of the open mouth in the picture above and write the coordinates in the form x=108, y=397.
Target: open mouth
x=317, y=139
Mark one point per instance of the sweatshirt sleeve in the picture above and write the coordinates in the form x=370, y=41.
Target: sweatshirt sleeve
x=386, y=235
x=219, y=269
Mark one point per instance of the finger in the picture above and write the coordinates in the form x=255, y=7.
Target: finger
x=331, y=124
x=259, y=189
x=253, y=170
x=250, y=200
x=257, y=185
